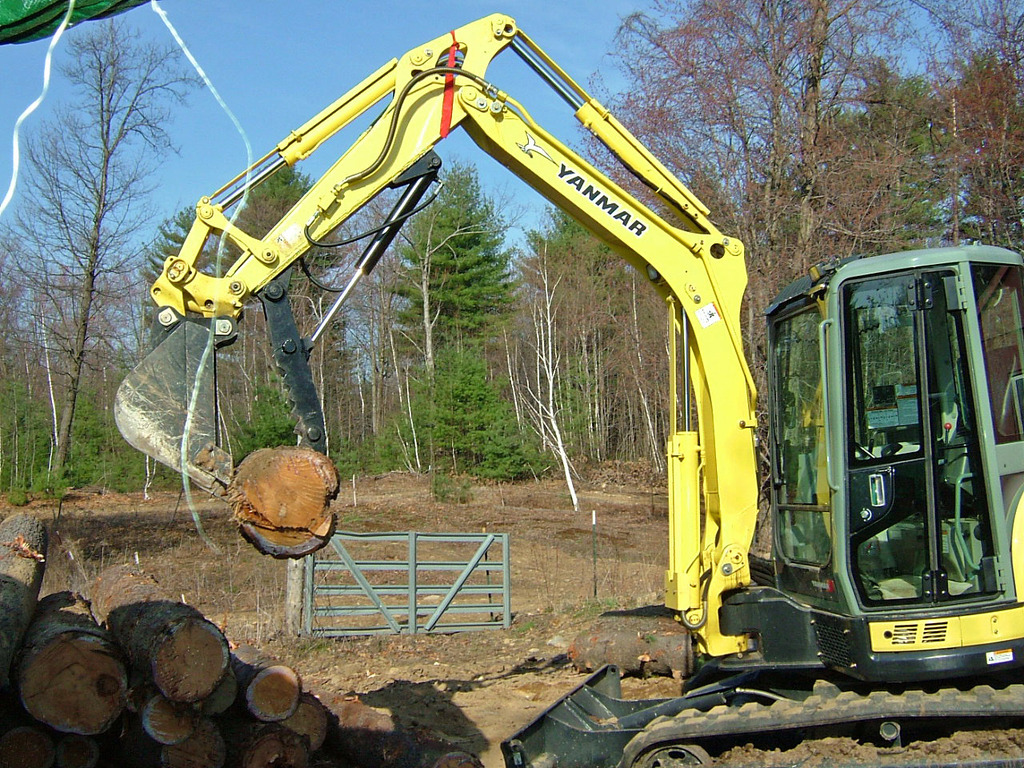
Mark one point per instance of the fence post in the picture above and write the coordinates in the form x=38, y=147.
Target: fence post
x=295, y=578
x=413, y=597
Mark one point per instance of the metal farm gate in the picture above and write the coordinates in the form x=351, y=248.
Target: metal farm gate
x=406, y=583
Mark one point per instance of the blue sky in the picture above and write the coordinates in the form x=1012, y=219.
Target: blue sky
x=277, y=64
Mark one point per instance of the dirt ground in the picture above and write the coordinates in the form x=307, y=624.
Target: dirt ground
x=472, y=689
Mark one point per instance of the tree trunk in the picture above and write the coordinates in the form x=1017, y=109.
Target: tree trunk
x=70, y=674
x=310, y=719
x=281, y=498
x=23, y=543
x=809, y=162
x=169, y=643
x=269, y=691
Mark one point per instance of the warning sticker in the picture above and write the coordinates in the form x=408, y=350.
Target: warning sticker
x=707, y=315
x=999, y=657
x=290, y=238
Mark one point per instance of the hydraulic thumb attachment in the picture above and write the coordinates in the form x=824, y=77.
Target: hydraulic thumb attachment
x=166, y=406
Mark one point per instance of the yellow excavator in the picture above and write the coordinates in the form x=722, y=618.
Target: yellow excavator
x=896, y=394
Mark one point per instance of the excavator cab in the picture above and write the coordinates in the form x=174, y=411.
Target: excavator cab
x=895, y=394
x=896, y=401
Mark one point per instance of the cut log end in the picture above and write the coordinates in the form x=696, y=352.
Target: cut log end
x=281, y=499
x=203, y=749
x=190, y=661
x=273, y=694
x=310, y=719
x=27, y=747
x=74, y=751
x=165, y=721
x=74, y=684
x=275, y=746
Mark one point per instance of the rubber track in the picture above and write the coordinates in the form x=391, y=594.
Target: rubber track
x=828, y=705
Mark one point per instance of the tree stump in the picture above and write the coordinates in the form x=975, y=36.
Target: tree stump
x=23, y=543
x=70, y=673
x=170, y=643
x=281, y=499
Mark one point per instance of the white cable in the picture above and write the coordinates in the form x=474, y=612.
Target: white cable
x=209, y=350
x=34, y=106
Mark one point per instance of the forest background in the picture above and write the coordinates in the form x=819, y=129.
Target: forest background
x=813, y=129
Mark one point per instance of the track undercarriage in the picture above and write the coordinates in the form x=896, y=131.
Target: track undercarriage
x=594, y=727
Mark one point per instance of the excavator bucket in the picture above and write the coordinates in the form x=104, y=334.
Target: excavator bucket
x=167, y=407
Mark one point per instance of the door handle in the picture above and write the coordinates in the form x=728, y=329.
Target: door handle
x=876, y=489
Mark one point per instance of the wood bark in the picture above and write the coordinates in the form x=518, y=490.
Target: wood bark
x=23, y=542
x=268, y=690
x=281, y=499
x=171, y=643
x=70, y=673
x=310, y=719
x=260, y=745
x=27, y=746
x=652, y=653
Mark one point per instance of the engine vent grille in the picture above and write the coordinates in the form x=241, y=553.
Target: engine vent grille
x=904, y=634
x=934, y=632
x=919, y=632
x=833, y=642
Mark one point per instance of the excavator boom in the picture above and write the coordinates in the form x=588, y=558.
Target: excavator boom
x=432, y=90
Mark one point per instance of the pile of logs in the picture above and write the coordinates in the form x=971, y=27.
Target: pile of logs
x=133, y=677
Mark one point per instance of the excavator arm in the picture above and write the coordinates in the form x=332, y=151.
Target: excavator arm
x=165, y=407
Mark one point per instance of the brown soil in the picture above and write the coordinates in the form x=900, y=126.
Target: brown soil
x=473, y=689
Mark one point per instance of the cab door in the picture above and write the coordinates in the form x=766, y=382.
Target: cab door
x=917, y=511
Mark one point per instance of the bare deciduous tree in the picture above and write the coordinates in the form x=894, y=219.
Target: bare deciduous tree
x=84, y=214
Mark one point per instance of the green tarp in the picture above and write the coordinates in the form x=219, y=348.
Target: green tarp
x=24, y=20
